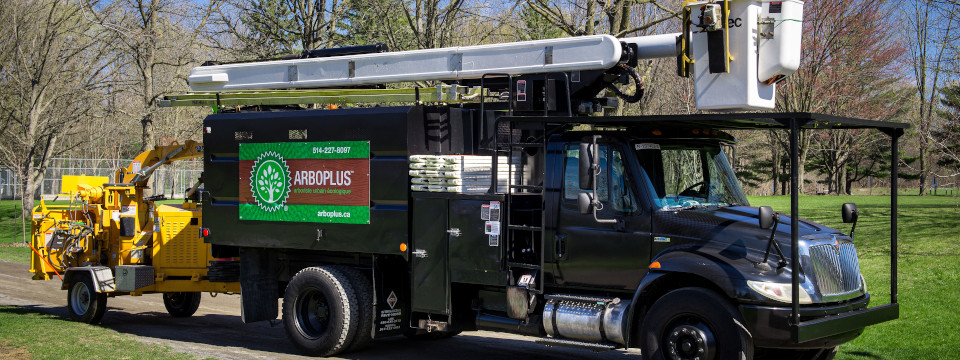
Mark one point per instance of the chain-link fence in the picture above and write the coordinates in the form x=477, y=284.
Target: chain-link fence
x=172, y=179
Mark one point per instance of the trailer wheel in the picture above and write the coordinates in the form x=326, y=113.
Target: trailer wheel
x=181, y=304
x=691, y=323
x=320, y=311
x=363, y=288
x=83, y=301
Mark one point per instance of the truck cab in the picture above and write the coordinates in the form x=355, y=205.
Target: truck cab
x=668, y=217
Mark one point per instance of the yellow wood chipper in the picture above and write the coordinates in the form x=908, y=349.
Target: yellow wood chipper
x=111, y=239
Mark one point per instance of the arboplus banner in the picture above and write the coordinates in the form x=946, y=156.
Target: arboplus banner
x=326, y=182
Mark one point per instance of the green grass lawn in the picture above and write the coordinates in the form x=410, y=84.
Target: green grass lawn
x=27, y=334
x=929, y=253
x=12, y=248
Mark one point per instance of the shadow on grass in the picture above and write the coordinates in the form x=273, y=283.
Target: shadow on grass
x=862, y=354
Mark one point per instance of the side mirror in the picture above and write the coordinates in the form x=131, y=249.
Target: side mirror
x=587, y=152
x=585, y=203
x=769, y=218
x=849, y=212
x=766, y=217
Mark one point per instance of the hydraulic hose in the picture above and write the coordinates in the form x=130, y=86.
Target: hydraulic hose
x=638, y=94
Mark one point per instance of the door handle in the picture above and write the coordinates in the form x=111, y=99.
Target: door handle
x=560, y=248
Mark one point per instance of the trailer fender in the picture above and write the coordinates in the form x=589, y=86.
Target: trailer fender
x=103, y=280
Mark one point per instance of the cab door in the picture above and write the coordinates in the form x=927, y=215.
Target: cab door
x=588, y=254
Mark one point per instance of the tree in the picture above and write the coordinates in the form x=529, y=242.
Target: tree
x=928, y=47
x=54, y=76
x=946, y=136
x=260, y=29
x=581, y=18
x=534, y=26
x=368, y=22
x=157, y=40
x=845, y=70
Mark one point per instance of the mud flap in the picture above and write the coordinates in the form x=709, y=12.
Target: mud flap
x=258, y=285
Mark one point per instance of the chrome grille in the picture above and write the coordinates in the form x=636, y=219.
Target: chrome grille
x=836, y=267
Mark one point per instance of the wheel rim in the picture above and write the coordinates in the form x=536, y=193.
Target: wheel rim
x=80, y=298
x=176, y=300
x=689, y=338
x=313, y=314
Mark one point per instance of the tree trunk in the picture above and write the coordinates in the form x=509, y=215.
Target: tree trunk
x=849, y=185
x=28, y=191
x=147, y=131
x=591, y=13
x=923, y=171
x=146, y=121
x=843, y=182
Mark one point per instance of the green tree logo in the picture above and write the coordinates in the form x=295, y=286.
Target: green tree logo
x=270, y=181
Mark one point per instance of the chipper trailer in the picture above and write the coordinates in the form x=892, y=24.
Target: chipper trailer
x=111, y=240
x=502, y=199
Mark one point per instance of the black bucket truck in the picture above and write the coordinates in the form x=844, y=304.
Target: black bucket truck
x=499, y=201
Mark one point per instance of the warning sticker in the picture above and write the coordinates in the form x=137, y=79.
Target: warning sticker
x=389, y=320
x=494, y=240
x=392, y=300
x=494, y=211
x=525, y=280
x=521, y=90
x=484, y=212
x=491, y=228
x=128, y=210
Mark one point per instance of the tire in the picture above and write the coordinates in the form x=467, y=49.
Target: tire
x=363, y=288
x=83, y=302
x=320, y=311
x=181, y=304
x=693, y=323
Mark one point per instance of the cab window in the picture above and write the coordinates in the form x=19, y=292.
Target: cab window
x=614, y=187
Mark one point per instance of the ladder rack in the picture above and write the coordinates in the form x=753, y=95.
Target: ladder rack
x=451, y=94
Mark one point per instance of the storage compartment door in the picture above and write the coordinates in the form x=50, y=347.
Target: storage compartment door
x=430, y=292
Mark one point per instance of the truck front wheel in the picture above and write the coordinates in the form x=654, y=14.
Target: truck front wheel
x=181, y=304
x=84, y=302
x=320, y=311
x=694, y=323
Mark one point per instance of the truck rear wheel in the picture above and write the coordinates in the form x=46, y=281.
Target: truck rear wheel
x=694, y=323
x=320, y=311
x=363, y=288
x=181, y=304
x=83, y=301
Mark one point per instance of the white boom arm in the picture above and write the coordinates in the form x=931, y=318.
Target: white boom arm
x=737, y=87
x=454, y=63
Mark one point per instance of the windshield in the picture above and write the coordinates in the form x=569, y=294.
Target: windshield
x=690, y=175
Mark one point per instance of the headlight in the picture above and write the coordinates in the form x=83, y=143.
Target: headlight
x=778, y=291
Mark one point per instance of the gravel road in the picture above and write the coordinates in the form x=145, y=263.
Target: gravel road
x=217, y=332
